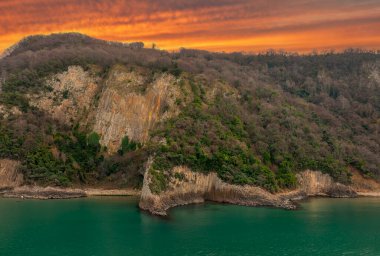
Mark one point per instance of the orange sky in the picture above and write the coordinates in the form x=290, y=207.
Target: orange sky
x=218, y=25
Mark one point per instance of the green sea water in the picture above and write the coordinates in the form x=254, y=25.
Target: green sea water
x=114, y=226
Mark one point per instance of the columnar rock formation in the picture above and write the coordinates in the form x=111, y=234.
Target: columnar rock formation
x=9, y=174
x=126, y=104
x=198, y=187
x=313, y=183
x=129, y=106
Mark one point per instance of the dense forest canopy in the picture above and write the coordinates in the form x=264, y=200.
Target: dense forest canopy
x=292, y=112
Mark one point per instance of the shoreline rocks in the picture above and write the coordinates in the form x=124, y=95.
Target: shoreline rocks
x=9, y=175
x=198, y=188
x=194, y=188
x=43, y=193
x=32, y=192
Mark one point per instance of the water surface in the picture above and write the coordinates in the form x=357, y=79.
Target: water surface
x=114, y=226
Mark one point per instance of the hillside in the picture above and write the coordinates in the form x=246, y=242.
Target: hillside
x=76, y=110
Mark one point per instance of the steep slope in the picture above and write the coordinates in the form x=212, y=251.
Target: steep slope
x=130, y=106
x=224, y=127
x=70, y=95
x=187, y=187
x=9, y=175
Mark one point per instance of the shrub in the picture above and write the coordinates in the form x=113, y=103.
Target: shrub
x=40, y=165
x=127, y=145
x=158, y=181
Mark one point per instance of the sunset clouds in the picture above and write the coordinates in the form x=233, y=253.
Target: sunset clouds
x=223, y=25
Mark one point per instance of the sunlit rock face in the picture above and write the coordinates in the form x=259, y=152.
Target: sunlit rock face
x=125, y=103
x=130, y=105
x=196, y=187
x=9, y=174
x=315, y=183
x=71, y=94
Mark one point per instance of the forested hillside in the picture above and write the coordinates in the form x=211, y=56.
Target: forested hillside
x=253, y=119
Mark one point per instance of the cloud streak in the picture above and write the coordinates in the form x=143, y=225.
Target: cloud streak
x=222, y=25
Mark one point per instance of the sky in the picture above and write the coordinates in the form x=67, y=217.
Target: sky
x=216, y=25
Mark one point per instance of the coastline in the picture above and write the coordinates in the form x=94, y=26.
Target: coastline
x=44, y=193
x=369, y=194
x=292, y=198
x=112, y=192
x=199, y=188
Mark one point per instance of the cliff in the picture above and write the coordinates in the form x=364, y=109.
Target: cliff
x=314, y=183
x=195, y=187
x=9, y=174
x=126, y=103
x=70, y=95
x=76, y=111
x=130, y=105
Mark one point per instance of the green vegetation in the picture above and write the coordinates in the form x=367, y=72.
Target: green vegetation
x=10, y=145
x=211, y=140
x=82, y=153
x=282, y=114
x=159, y=181
x=40, y=165
x=179, y=176
x=14, y=99
x=128, y=145
x=285, y=175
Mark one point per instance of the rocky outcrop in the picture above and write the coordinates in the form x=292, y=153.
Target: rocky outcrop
x=197, y=188
x=5, y=111
x=126, y=103
x=33, y=192
x=36, y=192
x=9, y=174
x=70, y=97
x=130, y=106
x=316, y=183
x=364, y=186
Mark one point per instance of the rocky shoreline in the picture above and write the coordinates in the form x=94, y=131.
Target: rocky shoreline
x=12, y=186
x=194, y=188
x=198, y=188
x=43, y=193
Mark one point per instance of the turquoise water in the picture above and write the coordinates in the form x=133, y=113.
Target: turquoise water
x=115, y=226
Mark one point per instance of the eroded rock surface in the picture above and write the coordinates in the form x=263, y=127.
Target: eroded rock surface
x=315, y=183
x=197, y=188
x=9, y=174
x=130, y=106
x=34, y=192
x=71, y=96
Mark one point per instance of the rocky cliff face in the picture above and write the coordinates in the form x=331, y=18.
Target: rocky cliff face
x=314, y=183
x=196, y=188
x=364, y=185
x=130, y=106
x=70, y=97
x=126, y=103
x=9, y=175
